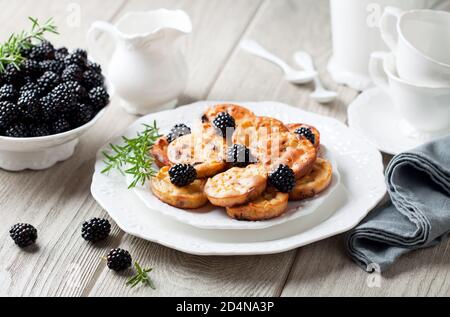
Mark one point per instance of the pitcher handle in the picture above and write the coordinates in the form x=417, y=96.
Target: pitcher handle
x=377, y=72
x=98, y=27
x=388, y=27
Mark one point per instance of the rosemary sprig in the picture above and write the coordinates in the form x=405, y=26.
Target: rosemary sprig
x=140, y=277
x=11, y=51
x=133, y=157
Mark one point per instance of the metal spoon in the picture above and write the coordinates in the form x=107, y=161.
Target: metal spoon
x=290, y=74
x=320, y=94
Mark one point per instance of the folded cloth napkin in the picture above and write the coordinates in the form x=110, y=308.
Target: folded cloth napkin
x=418, y=183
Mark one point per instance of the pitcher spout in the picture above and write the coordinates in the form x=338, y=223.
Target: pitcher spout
x=150, y=24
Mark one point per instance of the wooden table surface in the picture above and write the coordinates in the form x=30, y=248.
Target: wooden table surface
x=58, y=200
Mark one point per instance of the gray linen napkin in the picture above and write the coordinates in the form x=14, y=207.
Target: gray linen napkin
x=418, y=183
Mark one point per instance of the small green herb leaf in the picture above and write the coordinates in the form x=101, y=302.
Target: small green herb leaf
x=11, y=51
x=140, y=277
x=133, y=157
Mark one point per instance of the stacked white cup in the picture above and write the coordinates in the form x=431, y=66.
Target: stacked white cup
x=416, y=73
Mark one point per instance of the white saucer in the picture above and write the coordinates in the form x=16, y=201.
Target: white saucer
x=373, y=115
x=360, y=166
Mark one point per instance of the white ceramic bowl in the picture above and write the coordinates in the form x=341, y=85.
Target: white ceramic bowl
x=38, y=153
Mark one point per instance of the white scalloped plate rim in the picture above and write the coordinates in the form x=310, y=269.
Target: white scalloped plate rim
x=361, y=170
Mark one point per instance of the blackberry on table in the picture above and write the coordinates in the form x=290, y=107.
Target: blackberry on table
x=177, y=131
x=53, y=65
x=48, y=80
x=43, y=51
x=9, y=112
x=118, y=259
x=61, y=53
x=95, y=229
x=17, y=130
x=182, y=174
x=23, y=234
x=98, y=97
x=224, y=121
x=38, y=130
x=239, y=156
x=306, y=133
x=60, y=125
x=92, y=79
x=283, y=178
x=72, y=73
x=8, y=93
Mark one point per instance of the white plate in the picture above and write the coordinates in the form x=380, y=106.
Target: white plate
x=361, y=170
x=373, y=115
x=211, y=217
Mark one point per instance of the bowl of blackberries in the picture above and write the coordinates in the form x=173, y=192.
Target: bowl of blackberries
x=48, y=98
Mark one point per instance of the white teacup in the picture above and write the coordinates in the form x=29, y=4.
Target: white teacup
x=420, y=40
x=426, y=109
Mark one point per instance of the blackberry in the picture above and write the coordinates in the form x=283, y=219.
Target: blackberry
x=23, y=234
x=92, y=79
x=177, y=131
x=64, y=96
x=80, y=93
x=38, y=130
x=306, y=133
x=78, y=57
x=48, y=81
x=43, y=51
x=31, y=68
x=98, y=97
x=8, y=93
x=72, y=73
x=182, y=174
x=283, y=178
x=9, y=112
x=94, y=67
x=60, y=125
x=82, y=113
x=61, y=53
x=118, y=259
x=224, y=121
x=31, y=86
x=29, y=104
x=18, y=130
x=95, y=229
x=239, y=156
x=13, y=76
x=55, y=66
x=49, y=109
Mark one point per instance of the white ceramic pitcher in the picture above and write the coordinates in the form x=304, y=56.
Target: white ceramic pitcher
x=147, y=69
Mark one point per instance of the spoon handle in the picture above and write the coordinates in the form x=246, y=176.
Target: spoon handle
x=305, y=61
x=254, y=48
